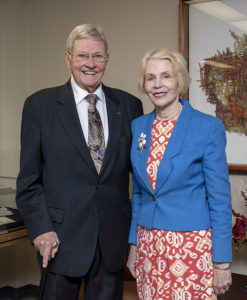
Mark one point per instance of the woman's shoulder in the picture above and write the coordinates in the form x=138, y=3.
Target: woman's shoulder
x=206, y=119
x=202, y=117
x=143, y=118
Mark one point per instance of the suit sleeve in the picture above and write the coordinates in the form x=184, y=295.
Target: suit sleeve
x=139, y=110
x=30, y=194
x=215, y=171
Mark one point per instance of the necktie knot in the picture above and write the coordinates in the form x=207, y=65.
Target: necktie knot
x=92, y=100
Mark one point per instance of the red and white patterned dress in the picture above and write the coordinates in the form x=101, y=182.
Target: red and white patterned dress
x=172, y=265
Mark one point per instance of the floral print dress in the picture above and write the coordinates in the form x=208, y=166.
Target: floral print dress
x=171, y=265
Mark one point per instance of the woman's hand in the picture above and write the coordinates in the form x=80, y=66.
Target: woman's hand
x=131, y=263
x=222, y=278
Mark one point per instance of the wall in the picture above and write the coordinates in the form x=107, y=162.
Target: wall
x=132, y=28
x=33, y=35
x=12, y=82
x=32, y=43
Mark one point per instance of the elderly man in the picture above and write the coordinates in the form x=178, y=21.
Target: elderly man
x=72, y=189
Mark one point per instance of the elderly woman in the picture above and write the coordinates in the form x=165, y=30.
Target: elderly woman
x=180, y=233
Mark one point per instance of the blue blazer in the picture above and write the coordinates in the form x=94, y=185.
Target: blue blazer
x=194, y=165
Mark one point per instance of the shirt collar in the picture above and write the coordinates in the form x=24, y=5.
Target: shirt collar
x=80, y=93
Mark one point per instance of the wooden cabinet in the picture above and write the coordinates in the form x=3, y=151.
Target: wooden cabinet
x=13, y=237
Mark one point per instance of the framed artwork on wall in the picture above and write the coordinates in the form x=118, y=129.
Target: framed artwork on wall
x=213, y=39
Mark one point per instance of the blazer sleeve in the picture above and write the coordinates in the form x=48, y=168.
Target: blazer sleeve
x=216, y=176
x=136, y=202
x=30, y=194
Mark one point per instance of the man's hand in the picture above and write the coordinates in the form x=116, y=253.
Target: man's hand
x=47, y=244
x=131, y=263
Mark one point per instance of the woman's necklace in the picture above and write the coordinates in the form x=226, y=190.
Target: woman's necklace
x=172, y=117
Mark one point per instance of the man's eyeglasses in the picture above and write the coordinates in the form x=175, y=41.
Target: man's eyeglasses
x=82, y=57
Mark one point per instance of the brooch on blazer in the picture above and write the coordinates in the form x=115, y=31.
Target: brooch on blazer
x=142, y=142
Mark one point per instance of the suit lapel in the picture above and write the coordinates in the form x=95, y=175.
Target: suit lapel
x=67, y=113
x=115, y=119
x=141, y=156
x=174, y=145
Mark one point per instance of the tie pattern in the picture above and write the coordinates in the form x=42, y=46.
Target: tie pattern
x=96, y=142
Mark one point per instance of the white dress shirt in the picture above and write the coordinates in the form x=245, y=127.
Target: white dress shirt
x=82, y=108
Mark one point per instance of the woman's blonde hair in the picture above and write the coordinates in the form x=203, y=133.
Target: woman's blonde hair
x=178, y=63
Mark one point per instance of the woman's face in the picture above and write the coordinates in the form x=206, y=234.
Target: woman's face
x=160, y=83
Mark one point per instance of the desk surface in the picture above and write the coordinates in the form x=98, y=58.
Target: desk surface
x=13, y=237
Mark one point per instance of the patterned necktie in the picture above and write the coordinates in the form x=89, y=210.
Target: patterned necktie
x=96, y=142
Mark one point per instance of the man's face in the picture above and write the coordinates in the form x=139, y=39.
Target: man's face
x=84, y=65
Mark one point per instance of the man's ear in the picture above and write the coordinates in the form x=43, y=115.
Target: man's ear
x=68, y=59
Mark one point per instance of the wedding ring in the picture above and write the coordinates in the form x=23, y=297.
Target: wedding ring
x=55, y=244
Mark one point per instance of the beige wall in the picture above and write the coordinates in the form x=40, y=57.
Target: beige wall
x=33, y=35
x=12, y=82
x=132, y=28
x=32, y=42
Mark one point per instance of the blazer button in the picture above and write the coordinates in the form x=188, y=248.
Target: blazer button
x=153, y=198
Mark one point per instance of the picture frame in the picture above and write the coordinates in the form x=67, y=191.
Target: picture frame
x=186, y=35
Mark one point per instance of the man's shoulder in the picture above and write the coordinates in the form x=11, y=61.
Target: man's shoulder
x=45, y=93
x=120, y=94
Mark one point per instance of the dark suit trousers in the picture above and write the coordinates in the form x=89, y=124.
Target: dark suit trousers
x=100, y=284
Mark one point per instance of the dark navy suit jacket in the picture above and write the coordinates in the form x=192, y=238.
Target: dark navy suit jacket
x=58, y=188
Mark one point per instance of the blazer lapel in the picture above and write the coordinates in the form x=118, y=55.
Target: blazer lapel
x=67, y=113
x=141, y=156
x=174, y=145
x=115, y=119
